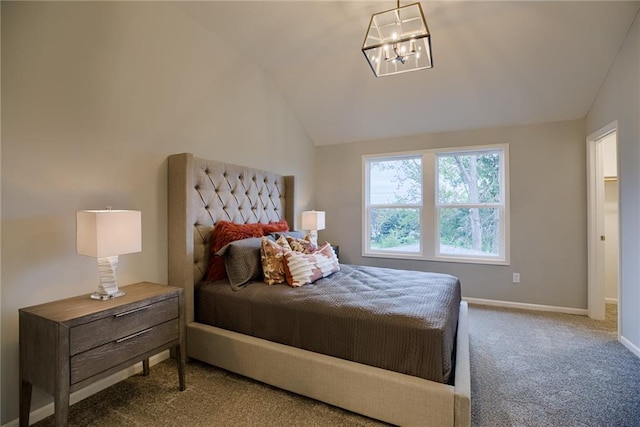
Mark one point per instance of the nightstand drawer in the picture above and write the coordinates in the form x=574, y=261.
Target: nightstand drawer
x=122, y=324
x=94, y=361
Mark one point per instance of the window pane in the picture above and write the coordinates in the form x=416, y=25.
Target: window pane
x=395, y=229
x=470, y=232
x=469, y=178
x=397, y=181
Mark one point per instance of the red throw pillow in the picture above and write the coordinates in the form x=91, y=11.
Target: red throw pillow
x=225, y=232
x=275, y=227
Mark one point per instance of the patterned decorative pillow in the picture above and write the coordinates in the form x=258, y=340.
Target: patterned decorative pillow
x=275, y=227
x=303, y=269
x=272, y=254
x=225, y=232
x=303, y=245
x=242, y=261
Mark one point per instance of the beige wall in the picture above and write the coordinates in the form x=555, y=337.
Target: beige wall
x=548, y=217
x=619, y=99
x=94, y=98
x=0, y=240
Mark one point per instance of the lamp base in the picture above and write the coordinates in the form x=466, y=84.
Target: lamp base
x=108, y=287
x=313, y=236
x=104, y=297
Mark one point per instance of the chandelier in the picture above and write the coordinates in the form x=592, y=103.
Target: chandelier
x=398, y=41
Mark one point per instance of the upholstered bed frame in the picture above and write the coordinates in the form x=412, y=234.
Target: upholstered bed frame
x=202, y=192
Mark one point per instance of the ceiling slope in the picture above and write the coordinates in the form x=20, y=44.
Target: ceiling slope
x=495, y=63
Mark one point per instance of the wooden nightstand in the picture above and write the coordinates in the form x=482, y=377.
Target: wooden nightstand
x=68, y=344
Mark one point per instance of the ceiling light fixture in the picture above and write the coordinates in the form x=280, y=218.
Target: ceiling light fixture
x=398, y=41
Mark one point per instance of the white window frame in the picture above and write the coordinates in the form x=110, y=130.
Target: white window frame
x=429, y=218
x=368, y=206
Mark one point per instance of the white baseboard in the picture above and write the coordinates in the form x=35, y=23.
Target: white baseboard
x=611, y=301
x=632, y=347
x=526, y=306
x=46, y=410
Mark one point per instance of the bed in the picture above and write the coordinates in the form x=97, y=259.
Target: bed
x=202, y=192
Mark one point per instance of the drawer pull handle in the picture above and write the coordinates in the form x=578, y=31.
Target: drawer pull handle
x=125, y=313
x=133, y=335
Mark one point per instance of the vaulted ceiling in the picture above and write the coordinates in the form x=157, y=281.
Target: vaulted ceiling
x=495, y=63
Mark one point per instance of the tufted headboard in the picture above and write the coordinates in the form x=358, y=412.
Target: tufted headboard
x=203, y=192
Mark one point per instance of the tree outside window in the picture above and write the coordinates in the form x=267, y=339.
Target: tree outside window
x=469, y=199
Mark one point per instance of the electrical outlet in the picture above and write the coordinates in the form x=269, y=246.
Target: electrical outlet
x=516, y=277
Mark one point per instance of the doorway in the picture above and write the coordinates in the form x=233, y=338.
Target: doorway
x=603, y=222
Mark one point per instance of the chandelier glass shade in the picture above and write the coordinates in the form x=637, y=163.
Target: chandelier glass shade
x=398, y=41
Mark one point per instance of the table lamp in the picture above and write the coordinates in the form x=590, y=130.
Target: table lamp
x=313, y=221
x=105, y=234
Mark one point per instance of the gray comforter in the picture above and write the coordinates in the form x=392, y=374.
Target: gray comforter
x=404, y=321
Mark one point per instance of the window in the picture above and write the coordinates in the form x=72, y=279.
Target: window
x=395, y=204
x=446, y=205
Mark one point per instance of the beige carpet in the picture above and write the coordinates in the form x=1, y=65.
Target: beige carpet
x=527, y=369
x=213, y=398
x=550, y=369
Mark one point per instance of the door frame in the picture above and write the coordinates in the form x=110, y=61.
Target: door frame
x=595, y=223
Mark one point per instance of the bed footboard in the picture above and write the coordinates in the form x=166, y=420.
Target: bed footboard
x=377, y=393
x=463, y=370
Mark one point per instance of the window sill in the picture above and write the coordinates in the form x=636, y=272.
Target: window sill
x=420, y=257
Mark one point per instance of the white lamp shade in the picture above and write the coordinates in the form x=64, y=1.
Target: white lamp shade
x=105, y=233
x=313, y=220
